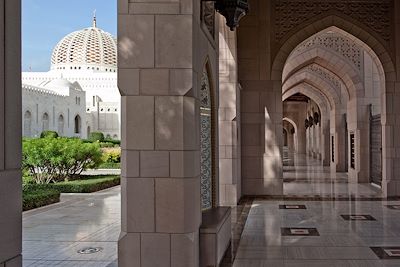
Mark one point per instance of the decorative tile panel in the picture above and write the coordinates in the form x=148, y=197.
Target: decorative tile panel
x=208, y=16
x=206, y=166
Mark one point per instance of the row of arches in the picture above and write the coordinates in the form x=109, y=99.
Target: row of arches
x=343, y=79
x=45, y=124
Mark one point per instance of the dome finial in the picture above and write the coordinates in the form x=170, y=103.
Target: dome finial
x=94, y=19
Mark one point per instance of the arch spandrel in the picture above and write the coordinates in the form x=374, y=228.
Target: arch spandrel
x=369, y=41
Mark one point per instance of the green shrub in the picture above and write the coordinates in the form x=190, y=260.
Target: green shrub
x=111, y=155
x=106, y=145
x=96, y=136
x=114, y=142
x=55, y=159
x=49, y=134
x=27, y=179
x=37, y=197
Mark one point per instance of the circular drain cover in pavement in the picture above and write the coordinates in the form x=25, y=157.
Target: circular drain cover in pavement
x=89, y=250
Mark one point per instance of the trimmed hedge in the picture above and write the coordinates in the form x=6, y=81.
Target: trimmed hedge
x=35, y=198
x=38, y=195
x=110, y=165
x=93, y=184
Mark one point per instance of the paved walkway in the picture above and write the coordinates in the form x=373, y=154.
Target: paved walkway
x=53, y=235
x=102, y=172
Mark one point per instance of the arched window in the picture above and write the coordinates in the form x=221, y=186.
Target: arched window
x=60, y=128
x=27, y=123
x=77, y=128
x=45, y=122
x=115, y=137
x=206, y=143
x=88, y=131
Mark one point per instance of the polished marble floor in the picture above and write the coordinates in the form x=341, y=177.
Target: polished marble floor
x=53, y=235
x=350, y=231
x=306, y=177
x=338, y=242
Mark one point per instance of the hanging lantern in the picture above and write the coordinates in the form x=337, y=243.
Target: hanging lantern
x=232, y=10
x=316, y=118
x=310, y=121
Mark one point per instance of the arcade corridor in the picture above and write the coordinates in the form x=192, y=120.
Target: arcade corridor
x=322, y=221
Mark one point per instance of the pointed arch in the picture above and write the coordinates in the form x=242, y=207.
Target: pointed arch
x=369, y=42
x=77, y=124
x=45, y=122
x=60, y=126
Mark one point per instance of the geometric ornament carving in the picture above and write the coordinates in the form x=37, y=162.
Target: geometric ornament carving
x=325, y=75
x=208, y=16
x=375, y=14
x=206, y=149
x=336, y=42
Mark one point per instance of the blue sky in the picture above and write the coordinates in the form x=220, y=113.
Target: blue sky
x=46, y=22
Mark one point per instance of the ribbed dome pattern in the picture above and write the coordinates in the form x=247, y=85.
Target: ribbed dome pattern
x=85, y=49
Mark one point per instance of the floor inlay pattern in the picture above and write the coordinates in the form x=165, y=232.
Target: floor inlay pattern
x=393, y=207
x=292, y=207
x=358, y=217
x=389, y=253
x=289, y=231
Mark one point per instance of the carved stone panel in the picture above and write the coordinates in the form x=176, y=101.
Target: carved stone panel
x=337, y=43
x=208, y=16
x=375, y=14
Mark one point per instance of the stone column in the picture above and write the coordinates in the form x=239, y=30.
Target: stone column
x=229, y=118
x=301, y=136
x=10, y=134
x=312, y=140
x=162, y=55
x=261, y=128
x=338, y=132
x=325, y=143
x=391, y=119
x=291, y=145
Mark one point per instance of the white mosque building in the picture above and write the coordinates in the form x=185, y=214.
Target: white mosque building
x=79, y=94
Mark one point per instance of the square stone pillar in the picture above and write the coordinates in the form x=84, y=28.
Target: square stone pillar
x=163, y=51
x=338, y=131
x=262, y=144
x=10, y=134
x=229, y=118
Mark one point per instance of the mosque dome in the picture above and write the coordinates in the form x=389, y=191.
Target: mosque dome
x=87, y=49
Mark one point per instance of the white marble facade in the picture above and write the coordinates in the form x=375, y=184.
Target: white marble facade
x=58, y=106
x=83, y=65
